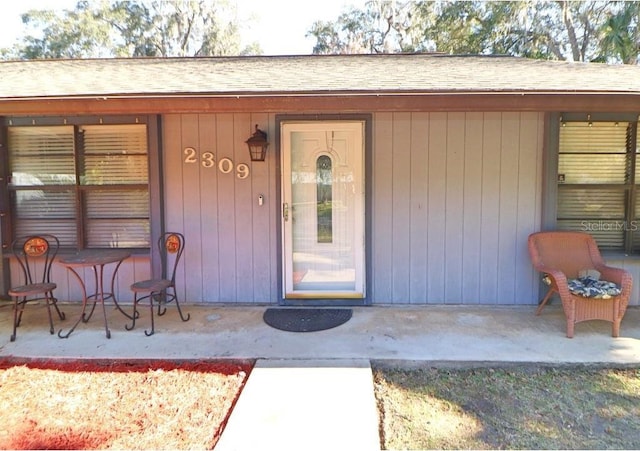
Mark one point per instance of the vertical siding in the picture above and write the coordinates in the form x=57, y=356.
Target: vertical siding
x=231, y=254
x=209, y=211
x=473, y=196
x=400, y=224
x=472, y=200
x=190, y=217
x=419, y=205
x=436, y=220
x=508, y=206
x=529, y=207
x=454, y=210
x=264, y=230
x=226, y=215
x=243, y=210
x=173, y=177
x=490, y=214
x=382, y=227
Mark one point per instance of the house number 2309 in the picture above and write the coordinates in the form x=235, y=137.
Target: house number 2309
x=208, y=160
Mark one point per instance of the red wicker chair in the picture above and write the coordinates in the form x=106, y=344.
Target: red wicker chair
x=562, y=255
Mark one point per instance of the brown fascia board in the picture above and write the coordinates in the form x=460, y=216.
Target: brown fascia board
x=324, y=102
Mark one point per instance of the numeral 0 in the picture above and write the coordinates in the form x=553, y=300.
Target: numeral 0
x=225, y=165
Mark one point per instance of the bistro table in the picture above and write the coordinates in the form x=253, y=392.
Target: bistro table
x=96, y=259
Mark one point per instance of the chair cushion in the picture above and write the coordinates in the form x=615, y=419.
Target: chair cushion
x=590, y=287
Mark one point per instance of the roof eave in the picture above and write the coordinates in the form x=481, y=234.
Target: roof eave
x=334, y=101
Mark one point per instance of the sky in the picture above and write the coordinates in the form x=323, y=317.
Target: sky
x=278, y=25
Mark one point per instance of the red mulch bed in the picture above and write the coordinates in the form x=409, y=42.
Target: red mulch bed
x=107, y=404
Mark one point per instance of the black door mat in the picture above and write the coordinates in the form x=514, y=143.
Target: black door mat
x=306, y=319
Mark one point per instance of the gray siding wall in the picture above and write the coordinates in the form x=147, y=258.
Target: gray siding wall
x=455, y=196
x=232, y=243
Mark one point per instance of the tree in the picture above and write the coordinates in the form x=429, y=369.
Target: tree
x=621, y=35
x=77, y=34
x=383, y=26
x=132, y=28
x=562, y=30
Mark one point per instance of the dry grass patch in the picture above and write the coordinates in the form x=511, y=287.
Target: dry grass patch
x=116, y=405
x=523, y=407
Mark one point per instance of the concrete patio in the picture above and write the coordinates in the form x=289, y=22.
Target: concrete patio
x=428, y=334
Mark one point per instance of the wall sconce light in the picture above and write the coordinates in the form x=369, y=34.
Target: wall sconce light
x=258, y=145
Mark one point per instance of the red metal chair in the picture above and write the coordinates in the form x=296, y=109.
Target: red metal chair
x=35, y=254
x=163, y=290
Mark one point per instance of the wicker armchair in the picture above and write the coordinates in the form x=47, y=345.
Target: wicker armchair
x=562, y=256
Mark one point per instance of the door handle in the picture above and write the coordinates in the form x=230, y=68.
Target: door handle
x=285, y=211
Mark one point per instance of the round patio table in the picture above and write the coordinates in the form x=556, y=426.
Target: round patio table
x=96, y=259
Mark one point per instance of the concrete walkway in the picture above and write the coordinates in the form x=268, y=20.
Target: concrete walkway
x=305, y=405
x=315, y=390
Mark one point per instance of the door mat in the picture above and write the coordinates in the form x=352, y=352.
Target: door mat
x=306, y=319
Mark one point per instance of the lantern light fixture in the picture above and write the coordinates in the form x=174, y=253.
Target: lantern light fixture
x=258, y=144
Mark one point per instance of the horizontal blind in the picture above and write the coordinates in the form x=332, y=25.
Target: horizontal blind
x=596, y=137
x=113, y=233
x=593, y=153
x=37, y=212
x=41, y=155
x=117, y=218
x=599, y=212
x=594, y=156
x=591, y=203
x=40, y=160
x=44, y=159
x=114, y=154
x=608, y=234
x=634, y=224
x=117, y=204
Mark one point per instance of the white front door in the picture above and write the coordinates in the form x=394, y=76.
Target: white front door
x=323, y=209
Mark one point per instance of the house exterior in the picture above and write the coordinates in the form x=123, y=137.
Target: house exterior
x=389, y=179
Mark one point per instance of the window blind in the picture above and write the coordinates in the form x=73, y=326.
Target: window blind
x=595, y=181
x=46, y=197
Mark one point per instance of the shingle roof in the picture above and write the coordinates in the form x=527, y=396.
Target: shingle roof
x=309, y=74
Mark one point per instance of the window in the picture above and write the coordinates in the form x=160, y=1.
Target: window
x=87, y=184
x=598, y=182
x=324, y=199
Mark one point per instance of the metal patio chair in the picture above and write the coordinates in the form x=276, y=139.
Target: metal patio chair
x=35, y=254
x=163, y=290
x=564, y=257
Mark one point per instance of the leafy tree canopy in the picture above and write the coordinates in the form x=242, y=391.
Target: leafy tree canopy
x=132, y=28
x=606, y=31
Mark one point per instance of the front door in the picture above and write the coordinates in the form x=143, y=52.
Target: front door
x=323, y=209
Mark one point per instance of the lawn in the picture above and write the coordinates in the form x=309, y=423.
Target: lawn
x=520, y=407
x=116, y=405
x=185, y=405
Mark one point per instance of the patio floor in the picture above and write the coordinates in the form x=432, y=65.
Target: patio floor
x=437, y=333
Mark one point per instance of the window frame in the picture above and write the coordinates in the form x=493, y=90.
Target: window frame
x=631, y=187
x=153, y=185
